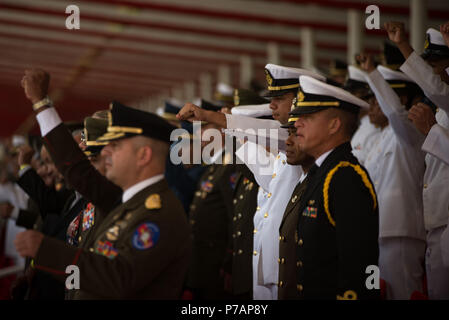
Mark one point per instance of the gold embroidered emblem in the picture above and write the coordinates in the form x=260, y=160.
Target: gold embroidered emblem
x=153, y=202
x=112, y=233
x=269, y=78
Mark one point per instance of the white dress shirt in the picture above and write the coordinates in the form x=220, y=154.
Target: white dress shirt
x=396, y=166
x=131, y=191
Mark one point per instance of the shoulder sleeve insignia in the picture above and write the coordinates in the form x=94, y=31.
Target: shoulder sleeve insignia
x=153, y=202
x=145, y=236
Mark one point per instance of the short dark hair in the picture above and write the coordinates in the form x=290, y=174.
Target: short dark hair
x=350, y=121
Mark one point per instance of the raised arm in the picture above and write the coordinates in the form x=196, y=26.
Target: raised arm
x=66, y=154
x=417, y=69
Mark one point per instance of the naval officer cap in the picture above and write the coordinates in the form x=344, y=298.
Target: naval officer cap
x=126, y=122
x=315, y=95
x=356, y=83
x=282, y=80
x=434, y=47
x=398, y=80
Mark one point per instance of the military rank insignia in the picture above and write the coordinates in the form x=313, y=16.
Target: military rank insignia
x=153, y=202
x=310, y=212
x=145, y=236
x=106, y=249
x=88, y=216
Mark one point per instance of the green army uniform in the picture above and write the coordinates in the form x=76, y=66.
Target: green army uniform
x=245, y=204
x=210, y=219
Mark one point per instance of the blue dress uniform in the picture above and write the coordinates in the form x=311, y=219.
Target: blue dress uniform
x=338, y=212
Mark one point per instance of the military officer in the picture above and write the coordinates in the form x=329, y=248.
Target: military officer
x=397, y=167
x=338, y=211
x=363, y=138
x=210, y=218
x=429, y=72
x=288, y=236
x=141, y=249
x=245, y=204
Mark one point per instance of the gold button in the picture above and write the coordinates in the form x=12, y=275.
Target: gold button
x=234, y=201
x=269, y=195
x=255, y=252
x=425, y=186
x=234, y=219
x=278, y=157
x=91, y=249
x=233, y=235
x=265, y=215
x=282, y=260
x=239, y=216
x=281, y=283
x=299, y=263
x=300, y=242
x=240, y=251
x=299, y=287
x=279, y=260
x=282, y=238
x=239, y=233
x=258, y=208
x=241, y=197
x=274, y=175
x=210, y=177
x=294, y=199
x=255, y=231
x=283, y=161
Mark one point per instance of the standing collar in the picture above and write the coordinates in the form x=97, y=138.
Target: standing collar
x=130, y=192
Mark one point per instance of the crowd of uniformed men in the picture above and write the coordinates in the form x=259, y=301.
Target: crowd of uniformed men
x=358, y=184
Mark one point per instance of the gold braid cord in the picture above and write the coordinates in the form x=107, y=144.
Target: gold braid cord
x=328, y=179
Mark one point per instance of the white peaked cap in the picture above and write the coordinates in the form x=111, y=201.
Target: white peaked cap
x=281, y=72
x=389, y=74
x=357, y=74
x=313, y=86
x=436, y=37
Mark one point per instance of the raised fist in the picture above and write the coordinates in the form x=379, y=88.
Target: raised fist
x=35, y=83
x=396, y=31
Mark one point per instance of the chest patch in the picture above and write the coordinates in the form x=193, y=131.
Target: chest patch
x=88, y=216
x=106, y=249
x=310, y=212
x=145, y=236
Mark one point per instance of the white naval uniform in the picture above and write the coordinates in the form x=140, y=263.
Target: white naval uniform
x=437, y=143
x=363, y=139
x=396, y=166
x=436, y=179
x=277, y=180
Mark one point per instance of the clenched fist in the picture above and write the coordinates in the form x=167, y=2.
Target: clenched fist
x=396, y=32
x=191, y=112
x=422, y=117
x=28, y=243
x=35, y=84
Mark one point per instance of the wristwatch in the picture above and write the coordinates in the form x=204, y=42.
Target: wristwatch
x=44, y=102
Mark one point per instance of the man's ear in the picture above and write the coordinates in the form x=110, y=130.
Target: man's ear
x=334, y=125
x=144, y=155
